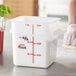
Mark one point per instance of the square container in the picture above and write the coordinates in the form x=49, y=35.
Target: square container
x=34, y=43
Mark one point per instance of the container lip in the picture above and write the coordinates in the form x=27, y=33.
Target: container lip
x=38, y=17
x=32, y=18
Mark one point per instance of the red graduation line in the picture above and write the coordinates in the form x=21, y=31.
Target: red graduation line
x=33, y=43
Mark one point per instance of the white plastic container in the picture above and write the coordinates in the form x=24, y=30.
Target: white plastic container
x=34, y=44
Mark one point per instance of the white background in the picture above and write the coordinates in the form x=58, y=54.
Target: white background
x=53, y=7
x=1, y=1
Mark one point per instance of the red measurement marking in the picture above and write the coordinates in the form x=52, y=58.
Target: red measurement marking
x=20, y=37
x=27, y=24
x=29, y=42
x=33, y=43
x=22, y=44
x=38, y=43
x=34, y=54
x=38, y=25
